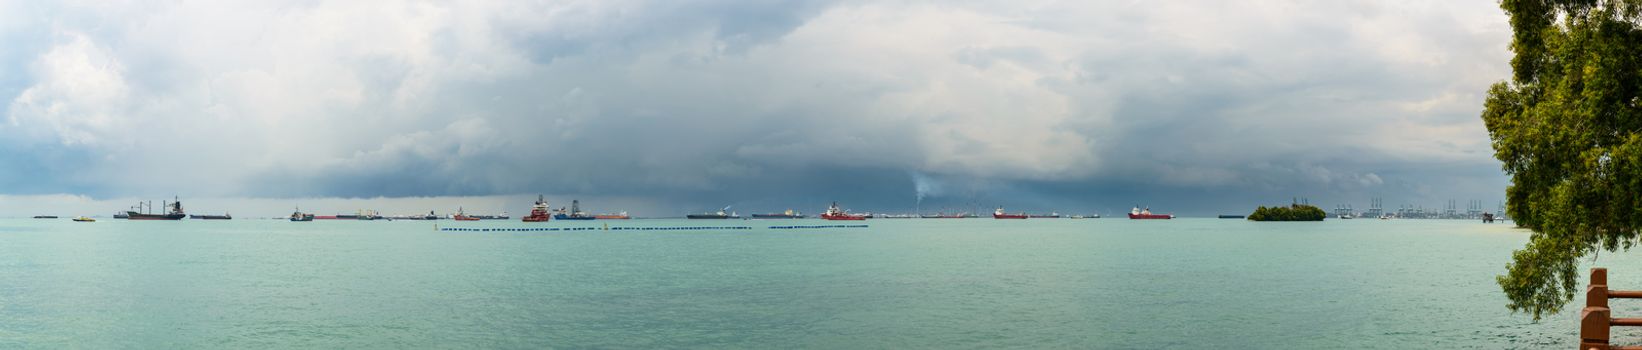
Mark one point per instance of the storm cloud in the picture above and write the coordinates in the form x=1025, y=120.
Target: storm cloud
x=691, y=105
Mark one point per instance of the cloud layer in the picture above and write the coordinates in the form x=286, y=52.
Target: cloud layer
x=1083, y=105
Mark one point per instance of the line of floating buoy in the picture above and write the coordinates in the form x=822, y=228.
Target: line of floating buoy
x=817, y=226
x=606, y=228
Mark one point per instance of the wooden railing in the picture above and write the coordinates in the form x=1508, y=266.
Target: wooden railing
x=1596, y=319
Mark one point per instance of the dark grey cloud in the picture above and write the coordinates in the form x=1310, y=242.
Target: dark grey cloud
x=1077, y=106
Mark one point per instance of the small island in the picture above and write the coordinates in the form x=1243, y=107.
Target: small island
x=1294, y=212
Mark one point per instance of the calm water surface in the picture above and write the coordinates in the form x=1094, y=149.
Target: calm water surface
x=966, y=283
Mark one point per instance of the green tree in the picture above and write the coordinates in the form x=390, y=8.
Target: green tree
x=1568, y=127
x=1295, y=212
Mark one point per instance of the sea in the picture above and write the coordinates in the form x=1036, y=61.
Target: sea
x=894, y=284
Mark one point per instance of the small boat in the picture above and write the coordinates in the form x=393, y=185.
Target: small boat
x=999, y=214
x=789, y=214
x=834, y=213
x=538, y=211
x=461, y=216
x=617, y=216
x=719, y=215
x=1146, y=214
x=45, y=216
x=575, y=212
x=84, y=219
x=300, y=216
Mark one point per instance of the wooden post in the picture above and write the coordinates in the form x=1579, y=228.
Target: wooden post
x=1594, y=319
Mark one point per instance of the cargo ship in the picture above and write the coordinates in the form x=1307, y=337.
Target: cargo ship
x=45, y=216
x=616, y=216
x=946, y=216
x=1051, y=215
x=300, y=216
x=502, y=216
x=173, y=212
x=575, y=212
x=999, y=214
x=789, y=214
x=833, y=213
x=1146, y=214
x=538, y=211
x=719, y=215
x=462, y=216
x=224, y=216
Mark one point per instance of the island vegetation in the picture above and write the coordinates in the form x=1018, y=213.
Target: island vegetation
x=1568, y=127
x=1293, y=212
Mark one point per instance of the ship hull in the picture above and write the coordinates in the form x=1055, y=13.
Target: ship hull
x=210, y=217
x=707, y=216
x=777, y=216
x=141, y=216
x=536, y=219
x=571, y=217
x=1008, y=216
x=1150, y=216
x=843, y=217
x=611, y=217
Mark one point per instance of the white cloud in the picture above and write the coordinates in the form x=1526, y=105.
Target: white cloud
x=663, y=97
x=80, y=96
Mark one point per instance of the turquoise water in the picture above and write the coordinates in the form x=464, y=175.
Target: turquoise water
x=969, y=283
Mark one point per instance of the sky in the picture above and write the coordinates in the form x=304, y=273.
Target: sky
x=669, y=107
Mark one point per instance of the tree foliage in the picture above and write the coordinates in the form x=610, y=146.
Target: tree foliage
x=1568, y=127
x=1296, y=212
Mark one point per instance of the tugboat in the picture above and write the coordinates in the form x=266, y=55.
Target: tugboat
x=617, y=216
x=719, y=215
x=789, y=214
x=1146, y=214
x=999, y=214
x=299, y=216
x=833, y=213
x=575, y=212
x=538, y=212
x=174, y=212
x=461, y=216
